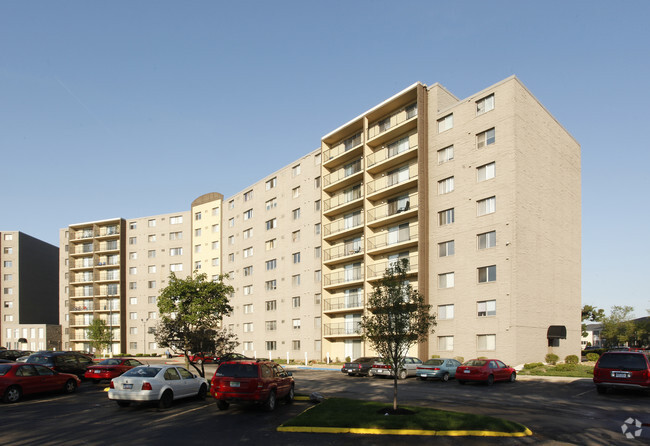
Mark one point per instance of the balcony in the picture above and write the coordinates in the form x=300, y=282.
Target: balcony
x=84, y=263
x=109, y=246
x=81, y=278
x=343, y=226
x=345, y=176
x=113, y=260
x=343, y=277
x=393, y=210
x=86, y=248
x=376, y=270
x=108, y=231
x=108, y=306
x=386, y=128
x=344, y=201
x=399, y=238
x=343, y=252
x=389, y=156
x=342, y=329
x=80, y=322
x=345, y=150
x=342, y=303
x=108, y=276
x=82, y=234
x=82, y=306
x=393, y=182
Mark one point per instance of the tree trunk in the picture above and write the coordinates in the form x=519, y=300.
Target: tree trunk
x=395, y=391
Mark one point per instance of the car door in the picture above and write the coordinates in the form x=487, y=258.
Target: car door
x=29, y=380
x=190, y=383
x=282, y=380
x=504, y=372
x=415, y=362
x=173, y=379
x=49, y=379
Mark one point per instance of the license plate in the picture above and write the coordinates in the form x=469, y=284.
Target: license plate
x=234, y=384
x=620, y=374
x=465, y=371
x=97, y=371
x=127, y=386
x=350, y=370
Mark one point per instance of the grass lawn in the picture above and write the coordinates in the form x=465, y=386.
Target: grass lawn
x=570, y=370
x=347, y=413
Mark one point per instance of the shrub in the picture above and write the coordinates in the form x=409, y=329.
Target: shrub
x=566, y=367
x=532, y=365
x=482, y=357
x=347, y=359
x=571, y=359
x=435, y=356
x=593, y=357
x=552, y=358
x=460, y=359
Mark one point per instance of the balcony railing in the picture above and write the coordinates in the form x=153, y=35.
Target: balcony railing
x=378, y=269
x=393, y=208
x=343, y=276
x=342, y=303
x=342, y=147
x=342, y=173
x=342, y=328
x=343, y=250
x=389, y=152
x=401, y=235
x=343, y=224
x=82, y=249
x=87, y=307
x=385, y=124
x=342, y=198
x=393, y=179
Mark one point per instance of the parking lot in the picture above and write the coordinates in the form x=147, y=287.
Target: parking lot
x=555, y=410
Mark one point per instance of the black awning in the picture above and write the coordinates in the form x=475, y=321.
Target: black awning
x=556, y=332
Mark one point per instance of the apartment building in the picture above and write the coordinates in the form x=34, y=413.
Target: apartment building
x=482, y=195
x=272, y=254
x=29, y=283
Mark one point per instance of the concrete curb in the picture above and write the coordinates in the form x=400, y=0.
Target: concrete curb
x=364, y=431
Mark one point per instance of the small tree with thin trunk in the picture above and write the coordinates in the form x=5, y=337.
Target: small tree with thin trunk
x=397, y=318
x=99, y=334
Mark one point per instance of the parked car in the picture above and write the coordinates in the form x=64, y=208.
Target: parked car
x=360, y=366
x=18, y=379
x=254, y=381
x=384, y=369
x=622, y=369
x=211, y=358
x=64, y=362
x=12, y=355
x=485, y=370
x=162, y=383
x=437, y=368
x=110, y=368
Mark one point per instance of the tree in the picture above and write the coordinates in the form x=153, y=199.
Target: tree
x=618, y=328
x=591, y=314
x=100, y=335
x=191, y=310
x=398, y=318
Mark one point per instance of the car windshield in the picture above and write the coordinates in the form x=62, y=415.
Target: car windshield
x=143, y=372
x=476, y=362
x=237, y=370
x=111, y=361
x=434, y=362
x=623, y=361
x=4, y=368
x=39, y=359
x=363, y=360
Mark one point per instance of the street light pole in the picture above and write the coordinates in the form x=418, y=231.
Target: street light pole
x=144, y=334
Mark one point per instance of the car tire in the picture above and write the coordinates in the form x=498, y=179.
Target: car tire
x=166, y=399
x=203, y=392
x=601, y=389
x=402, y=374
x=371, y=373
x=269, y=404
x=350, y=374
x=513, y=377
x=289, y=398
x=12, y=394
x=222, y=405
x=445, y=377
x=490, y=380
x=70, y=386
x=460, y=381
x=123, y=403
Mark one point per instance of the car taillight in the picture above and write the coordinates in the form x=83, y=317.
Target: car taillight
x=146, y=386
x=359, y=365
x=111, y=385
x=436, y=368
x=260, y=385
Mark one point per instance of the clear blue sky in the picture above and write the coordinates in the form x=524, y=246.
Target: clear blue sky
x=184, y=90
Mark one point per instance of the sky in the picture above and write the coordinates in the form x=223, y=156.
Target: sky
x=135, y=108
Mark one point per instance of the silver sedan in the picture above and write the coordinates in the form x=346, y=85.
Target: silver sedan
x=161, y=383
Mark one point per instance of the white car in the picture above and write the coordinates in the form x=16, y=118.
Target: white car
x=161, y=383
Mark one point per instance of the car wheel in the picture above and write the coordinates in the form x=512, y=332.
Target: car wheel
x=601, y=389
x=166, y=399
x=70, y=386
x=12, y=394
x=460, y=381
x=402, y=374
x=445, y=377
x=490, y=380
x=222, y=405
x=371, y=373
x=203, y=391
x=123, y=403
x=289, y=398
x=513, y=377
x=269, y=404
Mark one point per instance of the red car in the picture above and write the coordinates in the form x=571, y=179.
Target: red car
x=485, y=370
x=18, y=379
x=254, y=381
x=622, y=369
x=110, y=368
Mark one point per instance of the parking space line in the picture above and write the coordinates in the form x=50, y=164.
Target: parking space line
x=184, y=412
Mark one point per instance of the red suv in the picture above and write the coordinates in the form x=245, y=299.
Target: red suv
x=624, y=369
x=255, y=381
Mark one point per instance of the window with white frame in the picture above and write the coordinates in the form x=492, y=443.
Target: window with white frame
x=317, y=276
x=247, y=233
x=486, y=342
x=231, y=257
x=445, y=186
x=197, y=232
x=486, y=308
x=197, y=216
x=231, y=239
x=446, y=249
x=248, y=345
x=317, y=228
x=446, y=217
x=486, y=206
x=248, y=327
x=295, y=302
x=446, y=123
x=178, y=219
x=295, y=280
x=270, y=285
x=295, y=170
x=485, y=105
x=446, y=280
x=248, y=271
x=271, y=224
x=133, y=315
x=295, y=192
x=317, y=205
x=271, y=264
x=248, y=195
x=296, y=257
x=215, y=261
x=445, y=343
x=151, y=269
x=176, y=235
x=271, y=305
x=215, y=211
x=248, y=252
x=487, y=274
x=485, y=138
x=445, y=311
x=231, y=222
x=215, y=227
x=215, y=244
x=175, y=251
x=248, y=214
x=270, y=184
x=248, y=308
x=271, y=325
x=317, y=182
x=197, y=264
x=486, y=172
x=296, y=324
x=270, y=204
x=197, y=248
x=296, y=214
x=151, y=284
x=271, y=345
x=270, y=244
x=248, y=289
x=487, y=240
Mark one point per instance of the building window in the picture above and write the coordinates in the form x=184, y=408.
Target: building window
x=215, y=228
x=176, y=236
x=296, y=214
x=231, y=222
x=176, y=252
x=9, y=318
x=485, y=105
x=197, y=248
x=317, y=182
x=295, y=192
x=152, y=315
x=151, y=254
x=215, y=245
x=296, y=324
x=270, y=204
x=487, y=274
x=486, y=308
x=486, y=172
x=9, y=237
x=132, y=241
x=295, y=345
x=10, y=250
x=132, y=225
x=445, y=343
x=151, y=284
x=231, y=239
x=296, y=257
x=270, y=184
x=197, y=232
x=248, y=233
x=295, y=170
x=317, y=159
x=248, y=345
x=248, y=252
x=133, y=315
x=446, y=123
x=133, y=270
x=317, y=252
x=248, y=214
x=446, y=280
x=248, y=327
x=317, y=276
x=317, y=205
x=248, y=308
x=295, y=302
x=248, y=290
x=197, y=216
x=446, y=217
x=270, y=244
x=485, y=138
x=295, y=280
x=486, y=206
x=317, y=228
x=132, y=286
x=231, y=204
x=295, y=236
x=215, y=261
x=271, y=345
x=271, y=224
x=271, y=305
x=151, y=269
x=133, y=345
x=317, y=298
x=487, y=240
x=176, y=267
x=152, y=300
x=248, y=195
x=271, y=264
x=215, y=211
x=7, y=263
x=270, y=285
x=248, y=271
x=176, y=220
x=446, y=249
x=445, y=186
x=231, y=257
x=271, y=325
x=486, y=342
x=445, y=311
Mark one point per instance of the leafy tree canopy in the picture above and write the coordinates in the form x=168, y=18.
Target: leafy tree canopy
x=99, y=334
x=592, y=314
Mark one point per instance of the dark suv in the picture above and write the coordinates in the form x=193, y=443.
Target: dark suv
x=255, y=381
x=622, y=369
x=64, y=362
